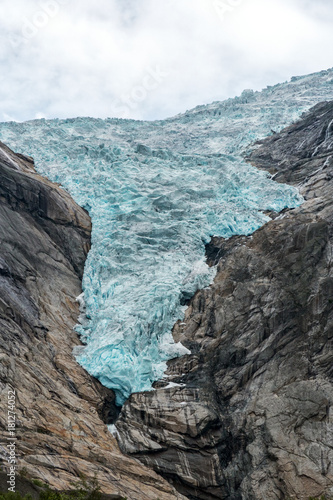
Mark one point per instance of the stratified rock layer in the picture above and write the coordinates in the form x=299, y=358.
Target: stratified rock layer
x=45, y=238
x=254, y=420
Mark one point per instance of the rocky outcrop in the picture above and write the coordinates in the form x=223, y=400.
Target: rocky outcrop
x=45, y=238
x=248, y=414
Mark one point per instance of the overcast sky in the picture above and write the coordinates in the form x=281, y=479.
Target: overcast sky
x=151, y=59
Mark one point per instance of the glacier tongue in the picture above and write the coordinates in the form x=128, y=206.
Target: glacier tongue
x=156, y=193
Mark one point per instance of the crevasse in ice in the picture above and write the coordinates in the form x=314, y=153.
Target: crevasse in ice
x=156, y=193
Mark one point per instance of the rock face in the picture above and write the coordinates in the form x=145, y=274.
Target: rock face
x=45, y=238
x=251, y=417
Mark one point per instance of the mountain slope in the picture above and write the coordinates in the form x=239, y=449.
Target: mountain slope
x=246, y=414
x=156, y=193
x=251, y=416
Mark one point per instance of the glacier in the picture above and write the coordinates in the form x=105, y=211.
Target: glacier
x=156, y=193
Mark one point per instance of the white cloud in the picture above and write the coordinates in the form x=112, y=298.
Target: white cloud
x=64, y=58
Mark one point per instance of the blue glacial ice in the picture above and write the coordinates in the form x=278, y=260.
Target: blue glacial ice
x=156, y=193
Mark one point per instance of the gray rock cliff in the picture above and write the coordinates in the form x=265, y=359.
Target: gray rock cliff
x=252, y=415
